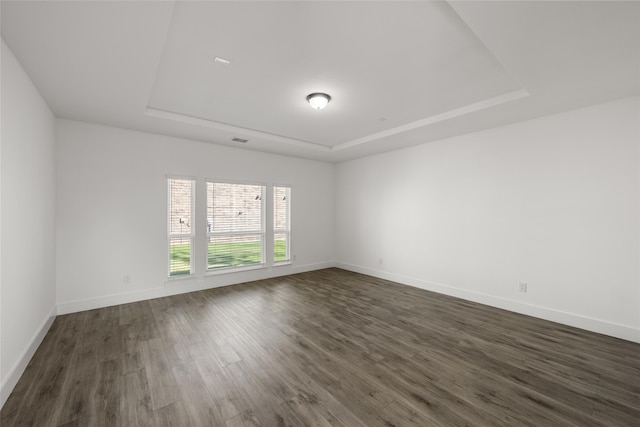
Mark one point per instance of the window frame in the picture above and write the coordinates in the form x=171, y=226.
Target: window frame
x=262, y=232
x=287, y=230
x=191, y=236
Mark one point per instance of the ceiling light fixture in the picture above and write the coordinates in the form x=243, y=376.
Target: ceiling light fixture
x=318, y=100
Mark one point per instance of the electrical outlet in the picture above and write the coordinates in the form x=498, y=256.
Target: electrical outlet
x=293, y=258
x=126, y=279
x=522, y=287
x=380, y=261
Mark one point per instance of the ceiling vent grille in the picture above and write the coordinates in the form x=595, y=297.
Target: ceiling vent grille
x=240, y=140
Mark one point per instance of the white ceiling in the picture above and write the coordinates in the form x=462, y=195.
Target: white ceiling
x=400, y=73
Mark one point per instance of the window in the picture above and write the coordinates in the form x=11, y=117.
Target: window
x=180, y=226
x=235, y=225
x=281, y=224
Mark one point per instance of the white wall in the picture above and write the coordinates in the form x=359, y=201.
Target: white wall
x=27, y=279
x=553, y=202
x=111, y=208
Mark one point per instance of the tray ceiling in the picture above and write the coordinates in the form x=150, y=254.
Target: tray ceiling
x=400, y=73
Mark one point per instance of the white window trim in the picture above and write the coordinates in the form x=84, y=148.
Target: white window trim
x=227, y=270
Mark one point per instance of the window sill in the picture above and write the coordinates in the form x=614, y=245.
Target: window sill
x=282, y=263
x=228, y=270
x=180, y=277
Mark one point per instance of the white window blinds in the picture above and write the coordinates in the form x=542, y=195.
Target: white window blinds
x=180, y=226
x=281, y=224
x=235, y=225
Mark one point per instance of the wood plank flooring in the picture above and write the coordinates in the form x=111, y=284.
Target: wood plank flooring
x=325, y=348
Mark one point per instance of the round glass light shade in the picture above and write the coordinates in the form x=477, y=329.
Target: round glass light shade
x=318, y=100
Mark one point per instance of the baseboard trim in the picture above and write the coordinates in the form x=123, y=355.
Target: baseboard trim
x=571, y=319
x=19, y=367
x=295, y=269
x=182, y=286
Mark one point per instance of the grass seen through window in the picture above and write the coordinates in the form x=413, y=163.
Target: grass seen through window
x=221, y=255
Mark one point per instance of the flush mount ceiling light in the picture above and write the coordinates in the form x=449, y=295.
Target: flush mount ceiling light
x=318, y=100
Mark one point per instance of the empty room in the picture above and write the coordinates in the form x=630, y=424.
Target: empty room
x=320, y=213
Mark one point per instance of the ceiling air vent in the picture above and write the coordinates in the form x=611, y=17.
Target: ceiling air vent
x=239, y=140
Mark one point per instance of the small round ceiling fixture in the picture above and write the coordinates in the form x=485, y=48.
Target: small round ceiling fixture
x=318, y=100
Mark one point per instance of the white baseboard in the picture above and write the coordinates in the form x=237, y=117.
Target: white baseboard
x=19, y=367
x=181, y=286
x=309, y=267
x=571, y=319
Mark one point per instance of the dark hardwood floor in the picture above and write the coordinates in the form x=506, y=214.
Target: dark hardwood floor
x=323, y=348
